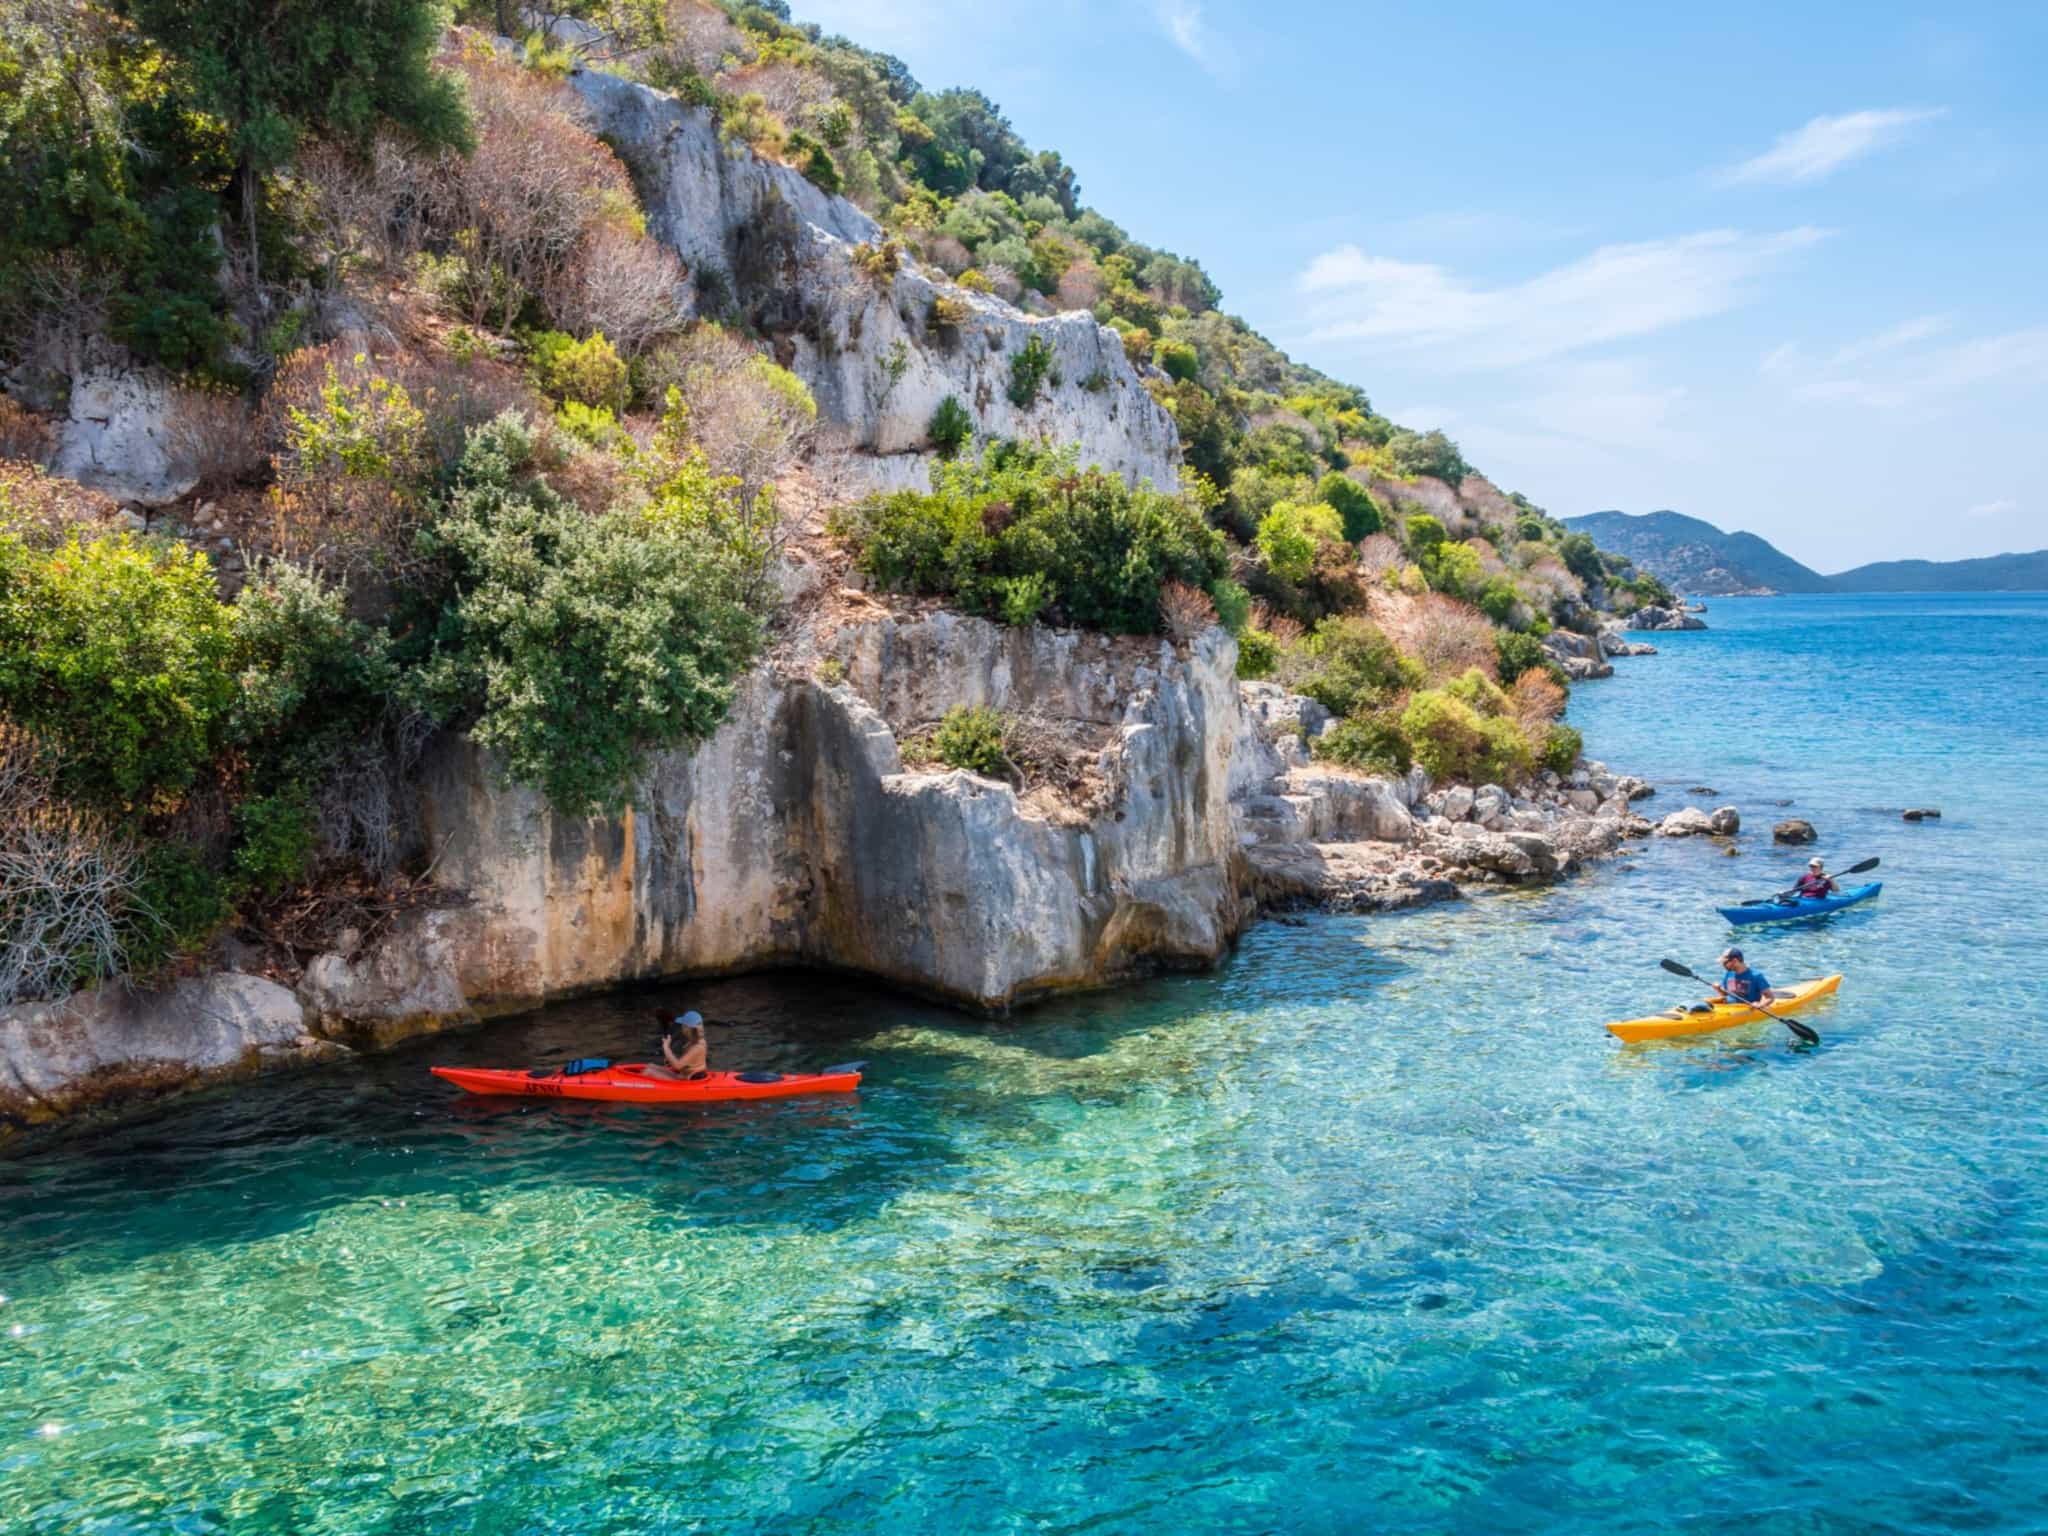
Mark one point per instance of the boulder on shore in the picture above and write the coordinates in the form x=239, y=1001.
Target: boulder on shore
x=1694, y=822
x=1664, y=618
x=1725, y=821
x=1794, y=830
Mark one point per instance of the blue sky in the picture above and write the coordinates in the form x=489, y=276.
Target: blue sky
x=1780, y=267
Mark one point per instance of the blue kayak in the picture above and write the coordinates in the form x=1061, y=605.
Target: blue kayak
x=1791, y=911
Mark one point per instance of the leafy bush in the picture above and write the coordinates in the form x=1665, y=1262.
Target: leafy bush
x=1029, y=368
x=1233, y=605
x=1291, y=535
x=1103, y=549
x=1445, y=735
x=951, y=427
x=1561, y=748
x=576, y=644
x=1021, y=599
x=1453, y=568
x=276, y=842
x=1505, y=756
x=1372, y=743
x=588, y=372
x=1178, y=359
x=948, y=312
x=1426, y=453
x=1354, y=666
x=178, y=905
x=975, y=738
x=1361, y=514
x=1498, y=600
x=879, y=260
x=1257, y=653
x=815, y=161
x=1425, y=535
x=974, y=280
x=1581, y=556
x=1478, y=692
x=119, y=655
x=1516, y=654
x=593, y=425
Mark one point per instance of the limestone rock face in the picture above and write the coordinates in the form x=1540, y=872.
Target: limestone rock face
x=110, y=1043
x=762, y=234
x=796, y=835
x=1665, y=619
x=114, y=437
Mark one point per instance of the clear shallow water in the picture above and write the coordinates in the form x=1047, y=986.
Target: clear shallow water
x=1373, y=1228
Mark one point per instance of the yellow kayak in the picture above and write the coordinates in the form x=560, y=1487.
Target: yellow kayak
x=1674, y=1022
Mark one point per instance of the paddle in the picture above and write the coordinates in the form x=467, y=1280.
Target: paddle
x=1794, y=1025
x=1783, y=896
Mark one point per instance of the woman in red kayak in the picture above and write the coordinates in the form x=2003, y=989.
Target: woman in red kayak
x=693, y=1060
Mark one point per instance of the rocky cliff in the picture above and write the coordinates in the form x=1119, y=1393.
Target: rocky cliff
x=759, y=236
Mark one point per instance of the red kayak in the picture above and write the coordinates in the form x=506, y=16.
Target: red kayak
x=631, y=1083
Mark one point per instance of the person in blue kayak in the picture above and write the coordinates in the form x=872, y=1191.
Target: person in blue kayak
x=1815, y=883
x=1740, y=984
x=693, y=1060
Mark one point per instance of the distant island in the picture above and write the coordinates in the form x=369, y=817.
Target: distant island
x=1692, y=555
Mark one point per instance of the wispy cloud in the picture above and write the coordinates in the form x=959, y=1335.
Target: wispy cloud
x=1826, y=144
x=1910, y=367
x=1616, y=292
x=1991, y=509
x=1182, y=22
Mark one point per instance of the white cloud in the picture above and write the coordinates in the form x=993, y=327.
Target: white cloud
x=1182, y=22
x=1617, y=291
x=1998, y=508
x=1826, y=144
x=1909, y=376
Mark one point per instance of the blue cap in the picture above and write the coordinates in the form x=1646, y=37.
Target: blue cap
x=691, y=1020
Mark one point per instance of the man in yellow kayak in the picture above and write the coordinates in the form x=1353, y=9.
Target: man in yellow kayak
x=1740, y=984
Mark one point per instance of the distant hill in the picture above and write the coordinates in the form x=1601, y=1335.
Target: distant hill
x=1993, y=573
x=1694, y=556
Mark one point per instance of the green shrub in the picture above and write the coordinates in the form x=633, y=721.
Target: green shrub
x=276, y=839
x=1361, y=514
x=178, y=905
x=1445, y=734
x=1030, y=366
x=309, y=680
x=975, y=738
x=1426, y=453
x=812, y=158
x=1021, y=599
x=1515, y=654
x=589, y=372
x=1581, y=556
x=1178, y=359
x=951, y=426
x=1356, y=667
x=1561, y=748
x=120, y=655
x=1258, y=653
x=1478, y=692
x=594, y=425
x=1291, y=535
x=1372, y=743
x=948, y=313
x=1498, y=599
x=362, y=427
x=1505, y=756
x=1424, y=534
x=574, y=644
x=1453, y=569
x=974, y=280
x=1103, y=549
x=1233, y=605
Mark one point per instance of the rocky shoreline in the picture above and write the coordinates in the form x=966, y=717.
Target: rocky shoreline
x=1189, y=805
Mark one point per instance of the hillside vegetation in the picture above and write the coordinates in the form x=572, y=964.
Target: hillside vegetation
x=467, y=460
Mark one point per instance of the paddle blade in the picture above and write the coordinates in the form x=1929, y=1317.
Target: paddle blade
x=1677, y=970
x=1800, y=1030
x=1864, y=868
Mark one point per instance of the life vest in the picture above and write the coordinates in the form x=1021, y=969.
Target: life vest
x=1813, y=886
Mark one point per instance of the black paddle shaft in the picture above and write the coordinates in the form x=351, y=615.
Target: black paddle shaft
x=1797, y=1028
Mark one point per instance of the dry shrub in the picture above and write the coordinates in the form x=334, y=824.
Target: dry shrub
x=1445, y=635
x=59, y=318
x=539, y=184
x=1080, y=286
x=24, y=436
x=1547, y=573
x=363, y=204
x=1003, y=283
x=1490, y=562
x=1187, y=611
x=742, y=411
x=947, y=254
x=212, y=438
x=698, y=37
x=453, y=394
x=621, y=283
x=65, y=880
x=1535, y=700
x=42, y=508
x=1378, y=554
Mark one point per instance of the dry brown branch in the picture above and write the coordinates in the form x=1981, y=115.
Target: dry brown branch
x=620, y=283
x=1187, y=610
x=213, y=438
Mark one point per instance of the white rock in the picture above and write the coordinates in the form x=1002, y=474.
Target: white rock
x=114, y=438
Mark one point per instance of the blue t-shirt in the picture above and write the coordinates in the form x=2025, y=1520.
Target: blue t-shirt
x=1746, y=986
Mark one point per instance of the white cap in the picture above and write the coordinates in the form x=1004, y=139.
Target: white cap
x=1815, y=863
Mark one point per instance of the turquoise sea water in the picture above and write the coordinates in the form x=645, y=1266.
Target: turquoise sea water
x=1372, y=1229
